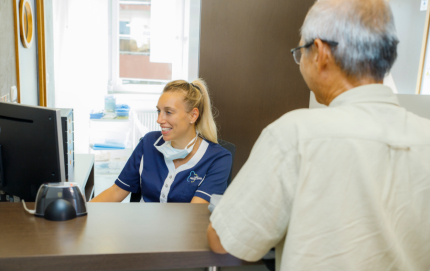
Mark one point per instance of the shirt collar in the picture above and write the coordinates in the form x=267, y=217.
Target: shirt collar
x=374, y=93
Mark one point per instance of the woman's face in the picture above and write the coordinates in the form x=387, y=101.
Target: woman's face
x=176, y=123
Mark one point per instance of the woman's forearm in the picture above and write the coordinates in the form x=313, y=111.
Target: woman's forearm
x=112, y=194
x=198, y=200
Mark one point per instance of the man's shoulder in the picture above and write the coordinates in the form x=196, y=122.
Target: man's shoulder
x=308, y=124
x=305, y=114
x=391, y=123
x=305, y=118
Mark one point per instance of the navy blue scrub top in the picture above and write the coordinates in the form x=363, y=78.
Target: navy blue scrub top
x=206, y=173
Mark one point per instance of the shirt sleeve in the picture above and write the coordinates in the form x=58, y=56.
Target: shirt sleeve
x=253, y=215
x=215, y=180
x=129, y=178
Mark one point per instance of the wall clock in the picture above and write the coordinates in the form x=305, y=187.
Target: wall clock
x=26, y=23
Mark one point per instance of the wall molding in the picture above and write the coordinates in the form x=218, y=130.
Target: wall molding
x=423, y=53
x=40, y=17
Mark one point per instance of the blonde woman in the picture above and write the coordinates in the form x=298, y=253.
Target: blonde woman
x=183, y=162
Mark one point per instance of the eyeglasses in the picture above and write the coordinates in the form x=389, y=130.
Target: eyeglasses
x=297, y=52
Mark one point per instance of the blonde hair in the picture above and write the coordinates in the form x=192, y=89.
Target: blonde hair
x=197, y=96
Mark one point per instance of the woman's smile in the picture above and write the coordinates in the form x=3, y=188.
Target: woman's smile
x=165, y=130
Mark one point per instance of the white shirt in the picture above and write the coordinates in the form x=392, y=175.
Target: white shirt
x=340, y=188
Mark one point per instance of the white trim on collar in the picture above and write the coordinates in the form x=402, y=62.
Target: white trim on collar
x=164, y=193
x=140, y=178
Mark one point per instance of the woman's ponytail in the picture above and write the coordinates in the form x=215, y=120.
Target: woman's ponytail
x=206, y=123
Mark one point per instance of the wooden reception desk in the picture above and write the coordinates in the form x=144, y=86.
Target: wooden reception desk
x=114, y=236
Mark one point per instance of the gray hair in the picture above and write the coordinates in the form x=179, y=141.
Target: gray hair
x=364, y=30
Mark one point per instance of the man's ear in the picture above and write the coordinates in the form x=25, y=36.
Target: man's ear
x=194, y=115
x=322, y=54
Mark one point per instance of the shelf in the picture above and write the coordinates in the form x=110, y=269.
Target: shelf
x=110, y=120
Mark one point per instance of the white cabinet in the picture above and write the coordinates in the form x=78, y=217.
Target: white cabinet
x=111, y=142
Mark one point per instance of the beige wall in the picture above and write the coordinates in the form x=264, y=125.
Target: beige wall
x=28, y=69
x=7, y=48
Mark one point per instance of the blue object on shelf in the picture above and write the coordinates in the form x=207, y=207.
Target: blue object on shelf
x=122, y=110
x=108, y=146
x=110, y=102
x=96, y=114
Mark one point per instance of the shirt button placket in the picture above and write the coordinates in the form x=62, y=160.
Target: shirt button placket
x=170, y=177
x=166, y=185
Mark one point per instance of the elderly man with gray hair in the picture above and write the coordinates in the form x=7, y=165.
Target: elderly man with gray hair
x=345, y=187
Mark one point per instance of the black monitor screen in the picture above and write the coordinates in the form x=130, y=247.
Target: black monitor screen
x=31, y=149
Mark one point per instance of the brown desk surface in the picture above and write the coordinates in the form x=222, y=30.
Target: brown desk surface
x=114, y=236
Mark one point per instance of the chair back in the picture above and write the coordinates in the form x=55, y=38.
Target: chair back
x=232, y=149
x=135, y=197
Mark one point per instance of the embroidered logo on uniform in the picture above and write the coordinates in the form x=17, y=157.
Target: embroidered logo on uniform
x=193, y=177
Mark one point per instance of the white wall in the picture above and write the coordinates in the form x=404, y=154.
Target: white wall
x=49, y=53
x=409, y=22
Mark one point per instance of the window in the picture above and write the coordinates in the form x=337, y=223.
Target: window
x=152, y=43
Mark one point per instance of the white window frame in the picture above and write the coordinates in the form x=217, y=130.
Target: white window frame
x=185, y=66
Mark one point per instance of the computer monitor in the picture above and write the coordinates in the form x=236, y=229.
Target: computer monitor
x=31, y=149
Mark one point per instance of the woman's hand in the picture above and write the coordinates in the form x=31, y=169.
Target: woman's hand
x=199, y=200
x=112, y=194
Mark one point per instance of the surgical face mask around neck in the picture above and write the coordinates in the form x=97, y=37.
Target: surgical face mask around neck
x=171, y=153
